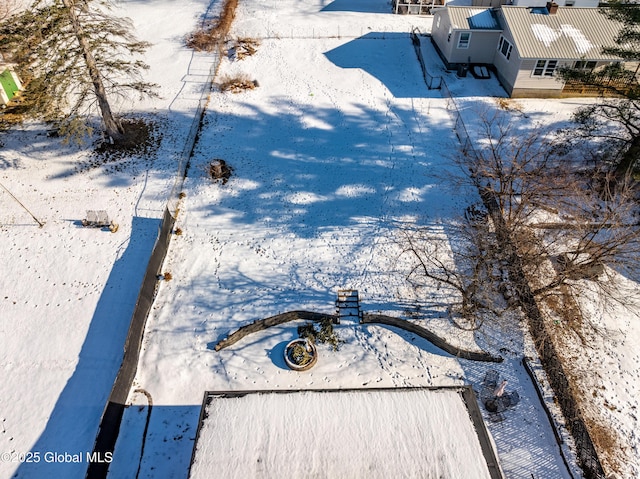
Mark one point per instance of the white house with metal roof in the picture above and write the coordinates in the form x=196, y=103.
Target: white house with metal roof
x=541, y=41
x=525, y=45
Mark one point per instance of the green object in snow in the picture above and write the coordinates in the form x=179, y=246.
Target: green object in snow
x=8, y=84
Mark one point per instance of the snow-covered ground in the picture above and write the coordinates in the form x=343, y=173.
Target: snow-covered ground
x=603, y=359
x=67, y=292
x=339, y=147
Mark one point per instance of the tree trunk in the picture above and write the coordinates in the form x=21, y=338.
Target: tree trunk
x=628, y=160
x=112, y=127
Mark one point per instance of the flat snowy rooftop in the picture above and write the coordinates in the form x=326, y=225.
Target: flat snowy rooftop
x=360, y=433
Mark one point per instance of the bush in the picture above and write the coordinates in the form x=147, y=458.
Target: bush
x=326, y=334
x=237, y=83
x=210, y=36
x=299, y=355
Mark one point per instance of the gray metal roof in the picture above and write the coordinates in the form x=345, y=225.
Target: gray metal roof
x=469, y=18
x=571, y=33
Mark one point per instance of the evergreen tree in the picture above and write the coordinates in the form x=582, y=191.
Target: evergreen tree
x=628, y=39
x=621, y=104
x=74, y=55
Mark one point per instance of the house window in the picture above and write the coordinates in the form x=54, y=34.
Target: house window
x=546, y=68
x=463, y=41
x=585, y=65
x=505, y=47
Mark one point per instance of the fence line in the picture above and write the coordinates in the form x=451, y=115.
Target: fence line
x=112, y=415
x=433, y=82
x=267, y=32
x=555, y=370
x=459, y=127
x=192, y=137
x=438, y=83
x=563, y=446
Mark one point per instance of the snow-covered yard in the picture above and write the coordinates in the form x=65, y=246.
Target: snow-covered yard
x=338, y=148
x=67, y=292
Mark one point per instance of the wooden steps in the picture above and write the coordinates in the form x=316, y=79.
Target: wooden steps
x=348, y=304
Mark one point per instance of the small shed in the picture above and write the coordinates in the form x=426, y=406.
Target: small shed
x=10, y=84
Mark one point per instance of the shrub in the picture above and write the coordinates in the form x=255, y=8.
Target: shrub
x=237, y=83
x=326, y=334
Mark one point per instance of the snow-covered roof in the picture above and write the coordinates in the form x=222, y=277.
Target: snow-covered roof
x=466, y=18
x=375, y=433
x=570, y=33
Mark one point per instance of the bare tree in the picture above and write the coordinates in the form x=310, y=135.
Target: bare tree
x=552, y=209
x=541, y=207
x=8, y=8
x=613, y=125
x=462, y=260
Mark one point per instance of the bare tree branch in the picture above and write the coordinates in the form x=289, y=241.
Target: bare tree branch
x=534, y=184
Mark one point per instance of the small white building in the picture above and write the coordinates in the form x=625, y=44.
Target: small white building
x=427, y=7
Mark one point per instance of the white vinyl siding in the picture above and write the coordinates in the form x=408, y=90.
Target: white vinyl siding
x=525, y=80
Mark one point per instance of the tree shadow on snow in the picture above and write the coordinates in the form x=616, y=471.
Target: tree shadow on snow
x=393, y=62
x=314, y=169
x=74, y=421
